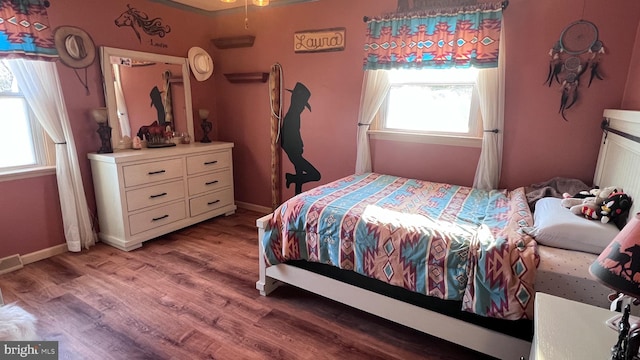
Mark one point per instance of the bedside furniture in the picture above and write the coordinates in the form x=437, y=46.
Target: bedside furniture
x=142, y=194
x=566, y=329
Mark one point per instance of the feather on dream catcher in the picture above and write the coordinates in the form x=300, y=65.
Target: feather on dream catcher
x=576, y=52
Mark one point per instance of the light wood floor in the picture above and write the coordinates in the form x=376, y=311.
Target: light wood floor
x=191, y=295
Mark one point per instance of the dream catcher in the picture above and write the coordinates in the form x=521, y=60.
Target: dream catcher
x=577, y=51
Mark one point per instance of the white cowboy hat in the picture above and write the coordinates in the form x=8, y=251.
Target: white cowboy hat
x=201, y=63
x=75, y=47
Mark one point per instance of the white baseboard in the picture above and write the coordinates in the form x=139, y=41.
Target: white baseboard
x=253, y=207
x=44, y=253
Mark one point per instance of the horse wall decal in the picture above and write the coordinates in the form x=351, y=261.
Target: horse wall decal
x=135, y=18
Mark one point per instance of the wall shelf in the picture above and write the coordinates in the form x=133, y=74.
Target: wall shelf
x=247, y=77
x=234, y=41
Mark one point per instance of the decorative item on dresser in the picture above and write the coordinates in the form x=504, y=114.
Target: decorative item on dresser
x=101, y=116
x=143, y=194
x=206, y=125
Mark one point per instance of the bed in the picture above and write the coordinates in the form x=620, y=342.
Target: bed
x=483, y=258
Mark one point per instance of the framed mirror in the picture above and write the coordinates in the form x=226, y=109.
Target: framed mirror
x=141, y=88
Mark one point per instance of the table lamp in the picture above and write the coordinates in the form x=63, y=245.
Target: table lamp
x=206, y=125
x=618, y=267
x=101, y=116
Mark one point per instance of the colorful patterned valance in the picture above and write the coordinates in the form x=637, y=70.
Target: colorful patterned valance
x=25, y=31
x=461, y=37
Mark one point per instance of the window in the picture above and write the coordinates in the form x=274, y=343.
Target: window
x=24, y=146
x=431, y=105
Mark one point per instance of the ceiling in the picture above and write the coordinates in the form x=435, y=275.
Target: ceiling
x=217, y=7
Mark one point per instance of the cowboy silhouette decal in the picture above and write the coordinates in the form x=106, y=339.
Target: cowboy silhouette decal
x=291, y=140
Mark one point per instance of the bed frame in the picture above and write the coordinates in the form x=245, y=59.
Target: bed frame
x=618, y=164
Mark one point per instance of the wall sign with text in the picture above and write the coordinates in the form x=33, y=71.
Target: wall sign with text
x=319, y=40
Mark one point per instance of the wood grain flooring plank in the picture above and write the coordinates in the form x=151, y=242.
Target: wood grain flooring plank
x=191, y=295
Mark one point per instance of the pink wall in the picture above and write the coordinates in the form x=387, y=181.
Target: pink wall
x=631, y=99
x=29, y=209
x=538, y=143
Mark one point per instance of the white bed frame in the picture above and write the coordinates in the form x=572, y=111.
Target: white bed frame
x=618, y=165
x=619, y=158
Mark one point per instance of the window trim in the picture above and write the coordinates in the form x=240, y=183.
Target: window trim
x=43, y=146
x=416, y=137
x=473, y=138
x=26, y=173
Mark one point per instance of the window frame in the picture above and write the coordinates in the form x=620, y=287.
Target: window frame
x=43, y=146
x=473, y=138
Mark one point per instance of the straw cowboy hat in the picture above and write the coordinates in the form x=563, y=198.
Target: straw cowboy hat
x=201, y=63
x=75, y=47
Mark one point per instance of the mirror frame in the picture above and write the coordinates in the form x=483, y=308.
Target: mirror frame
x=109, y=89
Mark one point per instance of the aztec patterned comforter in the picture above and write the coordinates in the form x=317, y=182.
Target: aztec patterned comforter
x=442, y=240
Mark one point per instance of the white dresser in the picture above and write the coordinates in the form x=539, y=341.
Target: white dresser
x=142, y=194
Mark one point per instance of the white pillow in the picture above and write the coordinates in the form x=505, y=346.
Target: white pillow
x=556, y=226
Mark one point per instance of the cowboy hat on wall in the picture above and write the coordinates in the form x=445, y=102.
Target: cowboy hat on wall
x=200, y=63
x=75, y=49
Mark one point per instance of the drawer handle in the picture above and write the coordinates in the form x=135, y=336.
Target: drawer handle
x=157, y=195
x=156, y=172
x=213, y=202
x=160, y=218
x=212, y=182
x=211, y=162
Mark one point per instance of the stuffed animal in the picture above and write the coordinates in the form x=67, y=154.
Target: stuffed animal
x=569, y=200
x=616, y=205
x=593, y=200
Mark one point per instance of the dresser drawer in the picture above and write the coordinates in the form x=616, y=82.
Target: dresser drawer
x=208, y=162
x=146, y=173
x=209, y=202
x=157, y=217
x=209, y=182
x=154, y=194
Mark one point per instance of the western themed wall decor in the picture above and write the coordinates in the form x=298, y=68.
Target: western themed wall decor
x=577, y=51
x=291, y=140
x=76, y=50
x=276, y=83
x=136, y=19
x=319, y=40
x=201, y=63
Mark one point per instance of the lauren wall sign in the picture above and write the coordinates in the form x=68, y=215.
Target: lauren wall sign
x=319, y=40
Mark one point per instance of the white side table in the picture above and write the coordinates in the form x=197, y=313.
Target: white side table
x=566, y=329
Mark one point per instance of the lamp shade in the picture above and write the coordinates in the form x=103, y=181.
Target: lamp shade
x=261, y=2
x=203, y=113
x=618, y=266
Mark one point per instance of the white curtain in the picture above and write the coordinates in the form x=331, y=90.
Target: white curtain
x=121, y=104
x=39, y=82
x=490, y=86
x=375, y=87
